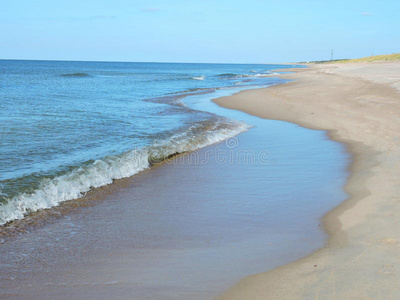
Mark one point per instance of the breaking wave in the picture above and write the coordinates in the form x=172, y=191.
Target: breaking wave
x=78, y=180
x=255, y=74
x=198, y=77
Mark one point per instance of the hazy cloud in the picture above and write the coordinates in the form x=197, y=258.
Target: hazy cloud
x=151, y=9
x=366, y=14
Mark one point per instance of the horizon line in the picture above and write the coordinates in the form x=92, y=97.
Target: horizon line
x=157, y=62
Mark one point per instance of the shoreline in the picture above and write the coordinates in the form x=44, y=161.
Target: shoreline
x=126, y=239
x=22, y=224
x=346, y=267
x=20, y=205
x=108, y=224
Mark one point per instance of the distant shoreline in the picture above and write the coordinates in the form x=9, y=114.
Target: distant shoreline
x=358, y=104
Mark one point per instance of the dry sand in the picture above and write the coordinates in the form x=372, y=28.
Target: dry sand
x=359, y=104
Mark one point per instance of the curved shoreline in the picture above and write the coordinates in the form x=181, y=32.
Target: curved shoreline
x=359, y=257
x=158, y=235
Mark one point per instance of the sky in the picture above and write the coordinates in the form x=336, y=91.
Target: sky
x=215, y=31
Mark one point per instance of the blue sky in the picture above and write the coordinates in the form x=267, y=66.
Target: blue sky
x=245, y=31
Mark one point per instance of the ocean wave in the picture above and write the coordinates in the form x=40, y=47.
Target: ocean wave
x=232, y=75
x=198, y=77
x=252, y=75
x=75, y=183
x=75, y=75
x=227, y=75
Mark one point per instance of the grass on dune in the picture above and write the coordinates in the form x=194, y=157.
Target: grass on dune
x=388, y=57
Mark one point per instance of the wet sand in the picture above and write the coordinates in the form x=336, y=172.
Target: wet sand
x=188, y=228
x=359, y=104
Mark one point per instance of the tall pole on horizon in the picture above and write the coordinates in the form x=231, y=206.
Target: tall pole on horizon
x=332, y=55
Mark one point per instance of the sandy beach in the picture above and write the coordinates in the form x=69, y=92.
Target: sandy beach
x=359, y=105
x=175, y=150
x=187, y=228
x=157, y=235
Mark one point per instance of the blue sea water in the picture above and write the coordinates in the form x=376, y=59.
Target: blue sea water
x=69, y=127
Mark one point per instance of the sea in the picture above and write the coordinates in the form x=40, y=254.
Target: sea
x=68, y=127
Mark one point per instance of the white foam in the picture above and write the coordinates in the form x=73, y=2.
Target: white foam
x=102, y=172
x=198, y=77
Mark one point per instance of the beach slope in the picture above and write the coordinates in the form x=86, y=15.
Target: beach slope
x=359, y=105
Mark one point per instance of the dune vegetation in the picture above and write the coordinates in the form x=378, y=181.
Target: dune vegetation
x=387, y=57
x=375, y=58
